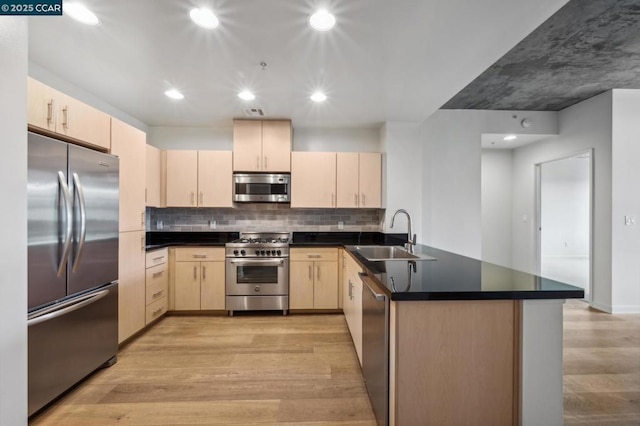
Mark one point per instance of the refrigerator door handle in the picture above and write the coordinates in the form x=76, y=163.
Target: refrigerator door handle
x=68, y=206
x=83, y=220
x=73, y=306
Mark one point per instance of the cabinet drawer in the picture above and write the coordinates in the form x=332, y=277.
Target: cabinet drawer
x=156, y=257
x=156, y=309
x=314, y=254
x=157, y=283
x=199, y=254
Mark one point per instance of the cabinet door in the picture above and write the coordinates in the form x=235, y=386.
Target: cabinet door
x=187, y=286
x=129, y=144
x=325, y=287
x=82, y=122
x=247, y=145
x=153, y=176
x=301, y=285
x=276, y=146
x=212, y=286
x=131, y=287
x=41, y=105
x=182, y=178
x=215, y=179
x=313, y=179
x=370, y=179
x=347, y=191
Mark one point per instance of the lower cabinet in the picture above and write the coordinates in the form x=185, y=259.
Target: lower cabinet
x=198, y=279
x=352, y=301
x=157, y=284
x=131, y=287
x=313, y=278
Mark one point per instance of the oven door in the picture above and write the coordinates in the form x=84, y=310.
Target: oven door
x=259, y=277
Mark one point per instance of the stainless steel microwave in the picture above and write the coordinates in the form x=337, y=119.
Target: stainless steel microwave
x=261, y=188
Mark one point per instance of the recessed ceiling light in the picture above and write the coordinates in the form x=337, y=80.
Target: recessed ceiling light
x=204, y=17
x=79, y=12
x=246, y=95
x=510, y=137
x=322, y=20
x=318, y=97
x=174, y=94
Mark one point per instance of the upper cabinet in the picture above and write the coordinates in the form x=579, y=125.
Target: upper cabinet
x=359, y=179
x=129, y=144
x=199, y=179
x=58, y=113
x=261, y=146
x=153, y=195
x=313, y=179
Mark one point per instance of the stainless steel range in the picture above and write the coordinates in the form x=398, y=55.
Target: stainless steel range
x=257, y=272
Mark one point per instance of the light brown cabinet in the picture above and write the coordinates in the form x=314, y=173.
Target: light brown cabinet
x=156, y=284
x=198, y=279
x=313, y=179
x=131, y=284
x=261, y=146
x=359, y=179
x=129, y=144
x=199, y=179
x=352, y=301
x=313, y=278
x=153, y=190
x=55, y=112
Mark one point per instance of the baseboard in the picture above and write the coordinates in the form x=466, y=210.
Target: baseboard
x=601, y=307
x=626, y=309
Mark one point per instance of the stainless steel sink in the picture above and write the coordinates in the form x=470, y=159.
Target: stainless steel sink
x=385, y=253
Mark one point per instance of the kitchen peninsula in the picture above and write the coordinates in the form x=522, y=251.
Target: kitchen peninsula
x=469, y=342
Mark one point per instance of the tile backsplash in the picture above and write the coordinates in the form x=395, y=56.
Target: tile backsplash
x=263, y=217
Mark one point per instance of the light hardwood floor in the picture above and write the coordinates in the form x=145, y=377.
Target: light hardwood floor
x=302, y=369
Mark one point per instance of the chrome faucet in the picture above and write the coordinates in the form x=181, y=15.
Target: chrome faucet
x=411, y=238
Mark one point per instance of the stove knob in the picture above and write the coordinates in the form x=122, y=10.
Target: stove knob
x=278, y=252
x=262, y=252
x=242, y=252
x=273, y=252
x=235, y=252
x=257, y=252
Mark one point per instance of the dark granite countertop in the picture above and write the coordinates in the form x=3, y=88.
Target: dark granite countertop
x=158, y=239
x=456, y=277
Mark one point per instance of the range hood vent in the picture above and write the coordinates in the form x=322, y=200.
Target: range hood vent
x=254, y=112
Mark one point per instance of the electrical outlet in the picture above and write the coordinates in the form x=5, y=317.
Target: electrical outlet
x=340, y=225
x=629, y=220
x=213, y=224
x=159, y=224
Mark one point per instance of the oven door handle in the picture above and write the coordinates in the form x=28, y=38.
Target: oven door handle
x=266, y=262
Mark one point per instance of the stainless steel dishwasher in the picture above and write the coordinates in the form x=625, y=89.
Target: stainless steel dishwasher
x=375, y=348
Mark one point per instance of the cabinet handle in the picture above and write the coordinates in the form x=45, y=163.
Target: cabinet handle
x=363, y=200
x=204, y=272
x=157, y=274
x=142, y=219
x=265, y=163
x=258, y=162
x=199, y=256
x=50, y=106
x=355, y=198
x=156, y=312
x=158, y=258
x=313, y=256
x=318, y=272
x=332, y=199
x=310, y=276
x=193, y=198
x=145, y=195
x=195, y=272
x=157, y=294
x=201, y=198
x=142, y=243
x=65, y=117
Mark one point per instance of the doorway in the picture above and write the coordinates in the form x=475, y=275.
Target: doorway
x=564, y=220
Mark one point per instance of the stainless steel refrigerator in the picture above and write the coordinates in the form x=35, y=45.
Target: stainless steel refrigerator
x=73, y=265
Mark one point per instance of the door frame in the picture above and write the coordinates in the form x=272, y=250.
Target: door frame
x=538, y=209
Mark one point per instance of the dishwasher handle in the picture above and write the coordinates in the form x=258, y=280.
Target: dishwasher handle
x=365, y=279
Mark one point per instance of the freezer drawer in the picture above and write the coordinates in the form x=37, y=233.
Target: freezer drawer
x=70, y=340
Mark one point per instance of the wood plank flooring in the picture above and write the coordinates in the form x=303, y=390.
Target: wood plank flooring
x=601, y=367
x=302, y=369
x=245, y=370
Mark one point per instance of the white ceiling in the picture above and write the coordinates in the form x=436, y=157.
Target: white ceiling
x=384, y=61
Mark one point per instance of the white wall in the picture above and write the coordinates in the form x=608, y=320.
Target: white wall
x=496, y=194
x=625, y=266
x=336, y=139
x=402, y=175
x=202, y=138
x=452, y=169
x=13, y=251
x=68, y=88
